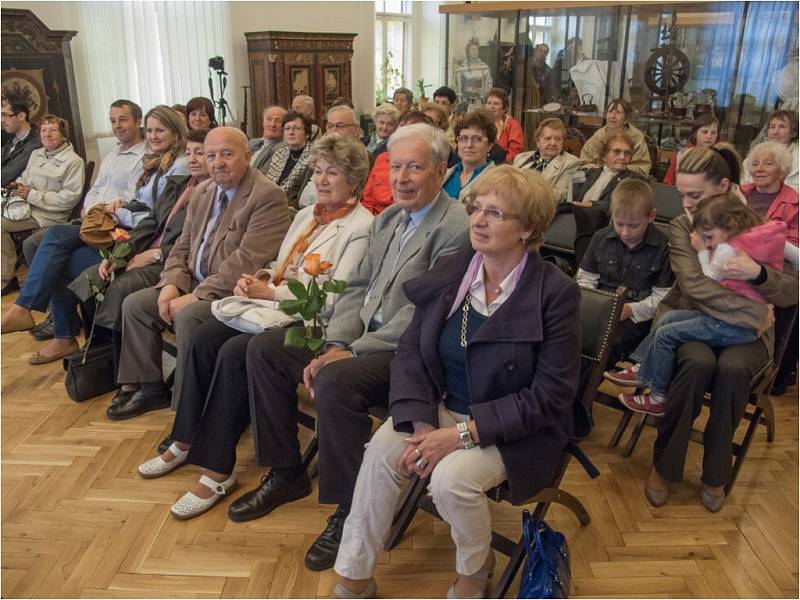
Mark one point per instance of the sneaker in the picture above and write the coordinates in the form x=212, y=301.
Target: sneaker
x=626, y=377
x=647, y=403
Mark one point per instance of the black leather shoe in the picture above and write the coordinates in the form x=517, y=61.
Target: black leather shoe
x=122, y=397
x=138, y=404
x=273, y=491
x=11, y=286
x=322, y=553
x=44, y=330
x=165, y=444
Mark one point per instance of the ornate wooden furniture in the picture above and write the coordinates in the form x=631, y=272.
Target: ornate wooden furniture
x=284, y=64
x=37, y=63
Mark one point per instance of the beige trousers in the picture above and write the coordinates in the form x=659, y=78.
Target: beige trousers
x=8, y=267
x=458, y=486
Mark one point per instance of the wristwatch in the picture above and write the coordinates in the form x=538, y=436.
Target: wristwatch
x=157, y=257
x=464, y=436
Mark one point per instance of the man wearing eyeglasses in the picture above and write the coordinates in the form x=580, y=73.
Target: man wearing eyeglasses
x=342, y=120
x=352, y=375
x=23, y=138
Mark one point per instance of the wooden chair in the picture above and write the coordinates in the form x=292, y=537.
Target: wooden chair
x=762, y=412
x=667, y=201
x=600, y=312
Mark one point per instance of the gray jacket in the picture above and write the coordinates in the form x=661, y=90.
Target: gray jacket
x=444, y=230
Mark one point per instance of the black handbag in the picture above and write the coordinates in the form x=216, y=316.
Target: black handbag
x=547, y=569
x=93, y=377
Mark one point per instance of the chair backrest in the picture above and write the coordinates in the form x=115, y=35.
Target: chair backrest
x=600, y=312
x=88, y=171
x=668, y=202
x=561, y=233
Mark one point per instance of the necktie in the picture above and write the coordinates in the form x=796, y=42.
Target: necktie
x=387, y=267
x=206, y=257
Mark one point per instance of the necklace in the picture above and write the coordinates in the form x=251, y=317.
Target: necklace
x=464, y=319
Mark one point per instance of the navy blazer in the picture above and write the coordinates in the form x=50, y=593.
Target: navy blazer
x=522, y=366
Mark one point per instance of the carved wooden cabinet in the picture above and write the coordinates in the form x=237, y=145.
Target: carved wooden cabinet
x=285, y=64
x=37, y=63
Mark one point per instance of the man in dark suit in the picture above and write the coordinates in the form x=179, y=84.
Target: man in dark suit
x=261, y=149
x=235, y=224
x=352, y=375
x=23, y=138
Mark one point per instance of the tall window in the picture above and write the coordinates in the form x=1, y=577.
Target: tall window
x=539, y=29
x=392, y=46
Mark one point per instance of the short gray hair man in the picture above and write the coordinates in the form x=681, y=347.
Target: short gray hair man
x=432, y=136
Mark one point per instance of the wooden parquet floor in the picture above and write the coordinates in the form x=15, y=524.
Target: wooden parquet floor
x=77, y=521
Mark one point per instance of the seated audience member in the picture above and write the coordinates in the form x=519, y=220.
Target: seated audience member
x=475, y=133
x=200, y=114
x=305, y=105
x=549, y=158
x=263, y=147
x=181, y=109
x=600, y=181
x=403, y=100
x=437, y=114
x=768, y=165
x=633, y=253
x=341, y=119
x=378, y=191
x=704, y=132
x=57, y=254
x=618, y=114
x=343, y=101
x=782, y=128
x=353, y=373
x=446, y=98
x=151, y=241
x=51, y=184
x=509, y=132
x=234, y=224
x=213, y=410
x=508, y=310
x=23, y=137
x=386, y=117
x=289, y=163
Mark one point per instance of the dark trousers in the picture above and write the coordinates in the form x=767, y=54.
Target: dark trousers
x=726, y=373
x=344, y=392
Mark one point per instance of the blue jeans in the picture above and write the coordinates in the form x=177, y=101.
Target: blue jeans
x=656, y=353
x=60, y=258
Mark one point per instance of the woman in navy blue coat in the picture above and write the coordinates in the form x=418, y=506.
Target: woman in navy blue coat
x=483, y=384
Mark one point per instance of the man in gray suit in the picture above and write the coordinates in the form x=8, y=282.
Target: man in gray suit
x=235, y=223
x=352, y=375
x=261, y=149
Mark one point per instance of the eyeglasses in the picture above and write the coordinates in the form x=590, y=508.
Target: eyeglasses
x=288, y=128
x=8, y=115
x=492, y=213
x=337, y=126
x=475, y=139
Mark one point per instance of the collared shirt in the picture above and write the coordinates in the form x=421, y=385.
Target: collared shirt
x=477, y=290
x=19, y=140
x=608, y=263
x=119, y=171
x=453, y=185
x=415, y=218
x=594, y=192
x=216, y=214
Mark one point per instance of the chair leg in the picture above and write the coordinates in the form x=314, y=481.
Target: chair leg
x=514, y=563
x=622, y=425
x=310, y=451
x=768, y=418
x=408, y=508
x=635, y=434
x=743, y=448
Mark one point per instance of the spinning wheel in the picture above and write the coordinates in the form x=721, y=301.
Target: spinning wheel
x=666, y=71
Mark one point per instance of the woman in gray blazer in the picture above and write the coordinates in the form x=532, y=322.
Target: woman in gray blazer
x=549, y=157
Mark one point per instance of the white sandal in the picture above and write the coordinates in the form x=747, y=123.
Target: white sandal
x=157, y=467
x=190, y=506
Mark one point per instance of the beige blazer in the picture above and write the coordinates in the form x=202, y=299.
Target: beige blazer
x=557, y=172
x=248, y=236
x=465, y=190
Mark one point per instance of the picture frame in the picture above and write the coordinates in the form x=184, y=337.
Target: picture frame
x=300, y=81
x=331, y=83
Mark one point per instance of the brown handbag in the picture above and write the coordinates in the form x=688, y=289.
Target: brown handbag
x=97, y=226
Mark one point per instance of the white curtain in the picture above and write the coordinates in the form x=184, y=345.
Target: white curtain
x=149, y=52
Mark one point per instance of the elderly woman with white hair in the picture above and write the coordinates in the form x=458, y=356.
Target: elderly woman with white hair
x=386, y=118
x=768, y=195
x=456, y=414
x=782, y=128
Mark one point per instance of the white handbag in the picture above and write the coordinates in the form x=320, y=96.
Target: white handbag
x=15, y=208
x=249, y=315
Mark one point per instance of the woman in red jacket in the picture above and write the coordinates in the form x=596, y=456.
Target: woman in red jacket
x=509, y=131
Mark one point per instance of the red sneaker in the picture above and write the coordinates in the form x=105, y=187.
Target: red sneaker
x=626, y=377
x=643, y=403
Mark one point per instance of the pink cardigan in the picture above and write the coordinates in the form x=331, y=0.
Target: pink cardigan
x=784, y=208
x=765, y=245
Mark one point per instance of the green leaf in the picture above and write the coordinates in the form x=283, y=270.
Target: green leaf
x=105, y=253
x=315, y=344
x=291, y=307
x=297, y=288
x=307, y=314
x=314, y=304
x=120, y=262
x=122, y=249
x=334, y=286
x=295, y=337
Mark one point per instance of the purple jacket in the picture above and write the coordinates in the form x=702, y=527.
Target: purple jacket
x=523, y=366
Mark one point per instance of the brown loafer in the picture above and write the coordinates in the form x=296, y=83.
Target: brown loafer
x=42, y=359
x=19, y=325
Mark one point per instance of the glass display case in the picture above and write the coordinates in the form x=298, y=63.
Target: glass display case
x=673, y=62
